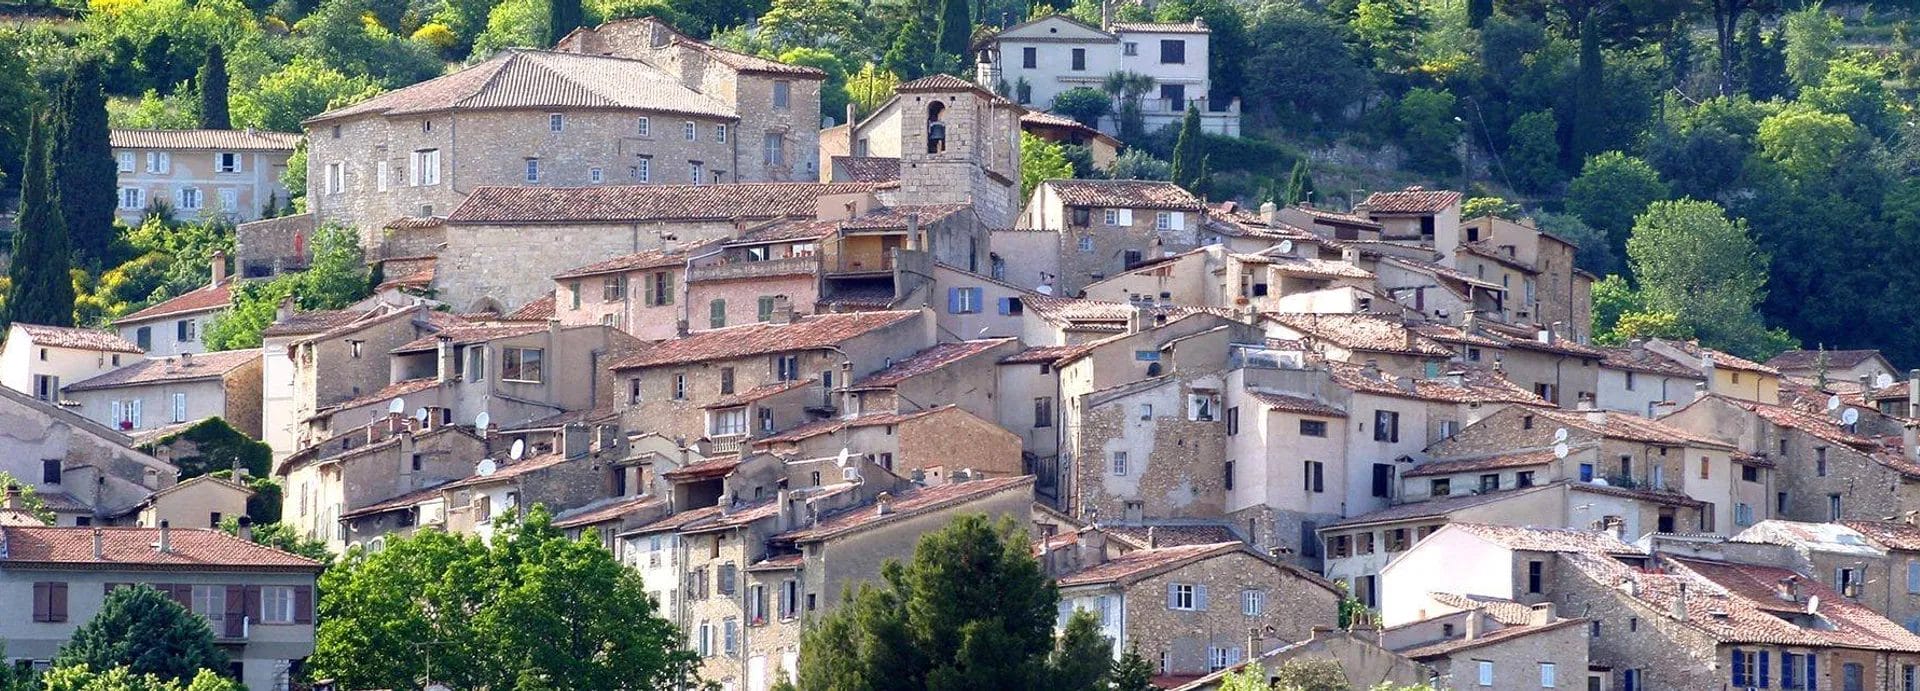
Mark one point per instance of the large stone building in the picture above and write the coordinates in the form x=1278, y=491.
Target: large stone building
x=943, y=141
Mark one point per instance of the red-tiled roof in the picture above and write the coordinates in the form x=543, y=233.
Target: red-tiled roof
x=1412, y=200
x=1618, y=425
x=513, y=469
x=1336, y=217
x=302, y=323
x=1547, y=539
x=708, y=469
x=539, y=310
x=1810, y=359
x=868, y=168
x=401, y=388
x=607, y=512
x=1501, y=610
x=468, y=334
x=1125, y=194
x=928, y=361
x=757, y=393
x=1306, y=266
x=804, y=333
x=1296, y=404
x=1432, y=508
x=519, y=78
x=1508, y=633
x=784, y=562
x=403, y=501
x=1172, y=534
x=1721, y=359
x=179, y=368
x=202, y=299
x=1495, y=462
x=1643, y=360
x=1360, y=332
x=1139, y=564
x=643, y=203
x=1898, y=535
x=222, y=140
x=832, y=425
x=1478, y=385
x=1448, y=334
x=136, y=548
x=79, y=339
x=907, y=504
x=638, y=261
x=1042, y=355
x=1160, y=27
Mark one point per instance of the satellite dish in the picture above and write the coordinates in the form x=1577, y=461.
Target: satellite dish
x=1560, y=450
x=519, y=449
x=1286, y=247
x=481, y=421
x=397, y=406
x=1560, y=436
x=1813, y=604
x=420, y=415
x=1833, y=403
x=485, y=467
x=846, y=455
x=1601, y=481
x=1883, y=381
x=1850, y=416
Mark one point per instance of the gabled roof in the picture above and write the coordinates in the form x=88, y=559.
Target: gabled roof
x=1618, y=425
x=170, y=370
x=602, y=512
x=405, y=500
x=1300, y=405
x=1432, y=508
x=1818, y=537
x=1502, y=610
x=1720, y=359
x=76, y=338
x=1125, y=194
x=468, y=334
x=1510, y=632
x=519, y=78
x=514, y=469
x=222, y=140
x=928, y=361
x=400, y=388
x=1360, y=332
x=868, y=168
x=302, y=323
x=1037, y=355
x=1413, y=200
x=1893, y=535
x=1160, y=27
x=539, y=310
x=1532, y=539
x=638, y=261
x=207, y=298
x=1499, y=461
x=130, y=548
x=1477, y=385
x=642, y=203
x=808, y=332
x=907, y=504
x=1647, y=361
x=1336, y=217
x=1138, y=564
x=1810, y=359
x=832, y=425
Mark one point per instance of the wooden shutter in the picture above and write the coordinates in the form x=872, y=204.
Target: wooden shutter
x=180, y=592
x=56, y=602
x=41, y=601
x=256, y=608
x=303, y=604
x=236, y=614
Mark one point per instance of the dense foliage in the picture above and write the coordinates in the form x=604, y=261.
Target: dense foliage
x=145, y=632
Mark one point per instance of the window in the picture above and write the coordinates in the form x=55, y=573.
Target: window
x=1907, y=678
x=716, y=313
x=1749, y=473
x=789, y=599
x=1706, y=468
x=1846, y=581
x=210, y=601
x=1233, y=421
x=1820, y=461
x=50, y=601
x=1252, y=602
x=133, y=198
x=786, y=367
x=659, y=289
x=1011, y=305
x=1383, y=480
x=696, y=172
x=642, y=127
x=1440, y=487
x=227, y=162
x=159, y=162
x=1386, y=426
x=782, y=94
x=613, y=288
x=477, y=363
x=179, y=407
x=1086, y=243
x=689, y=130
x=1165, y=220
x=276, y=604
x=1173, y=52
x=190, y=198
x=775, y=146
x=1630, y=680
x=679, y=386
x=556, y=122
x=595, y=176
x=1186, y=596
x=1043, y=411
x=703, y=643
x=1536, y=573
x=1146, y=411
x=1227, y=473
x=1130, y=49
x=1175, y=95
x=1396, y=539
x=1314, y=476
x=1222, y=658
x=1586, y=472
x=1523, y=479
x=1200, y=407
x=520, y=364
x=641, y=170
x=1743, y=513
x=1120, y=463
x=720, y=132
x=229, y=200
x=1079, y=60
x=1313, y=428
x=126, y=161
x=1489, y=482
x=732, y=421
x=426, y=168
x=1833, y=507
x=1029, y=57
x=964, y=300
x=1484, y=671
x=50, y=471
x=143, y=337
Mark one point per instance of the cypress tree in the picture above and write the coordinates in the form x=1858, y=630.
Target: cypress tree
x=1589, y=96
x=1478, y=11
x=42, y=289
x=1187, y=161
x=213, y=90
x=563, y=16
x=912, y=55
x=83, y=167
x=956, y=28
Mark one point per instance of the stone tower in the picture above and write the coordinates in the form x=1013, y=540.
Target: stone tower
x=960, y=144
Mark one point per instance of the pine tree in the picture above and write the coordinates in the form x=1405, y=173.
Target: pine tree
x=956, y=28
x=83, y=169
x=213, y=90
x=912, y=55
x=1187, y=156
x=1478, y=11
x=1132, y=672
x=42, y=290
x=563, y=16
x=147, y=632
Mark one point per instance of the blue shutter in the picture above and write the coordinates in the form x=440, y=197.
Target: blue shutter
x=1200, y=597
x=1813, y=671
x=979, y=297
x=1006, y=307
x=953, y=301
x=1170, y=599
x=1765, y=663
x=1739, y=668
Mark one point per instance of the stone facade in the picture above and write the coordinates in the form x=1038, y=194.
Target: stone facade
x=87, y=472
x=1821, y=473
x=325, y=483
x=957, y=144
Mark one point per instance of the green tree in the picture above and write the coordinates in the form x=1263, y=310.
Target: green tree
x=1388, y=29
x=1132, y=672
x=1429, y=130
x=338, y=35
x=336, y=278
x=513, y=24
x=1301, y=70
x=1309, y=674
x=1611, y=190
x=915, y=51
x=212, y=83
x=146, y=632
x=1856, y=89
x=18, y=95
x=1299, y=186
x=563, y=16
x=1592, y=252
x=40, y=290
x=833, y=91
x=84, y=678
x=33, y=503
x=1127, y=88
x=972, y=610
x=1083, y=657
x=281, y=536
x=1041, y=160
x=1188, y=151
x=215, y=446
x=1763, y=65
x=281, y=100
x=84, y=170
x=1476, y=207
x=1805, y=142
x=828, y=24
x=1084, y=104
x=1478, y=11
x=1137, y=164
x=1533, y=152
x=1813, y=38
x=1690, y=260
x=956, y=27
x=870, y=87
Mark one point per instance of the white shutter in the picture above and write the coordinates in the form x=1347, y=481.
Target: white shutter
x=1126, y=217
x=115, y=417
x=1200, y=597
x=1179, y=221
x=380, y=177
x=135, y=415
x=166, y=162
x=413, y=171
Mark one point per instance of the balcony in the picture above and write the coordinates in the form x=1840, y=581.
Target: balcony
x=725, y=444
x=861, y=264
x=754, y=269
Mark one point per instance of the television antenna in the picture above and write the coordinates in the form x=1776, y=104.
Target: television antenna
x=1849, y=416
x=1560, y=450
x=420, y=416
x=1560, y=435
x=1882, y=381
x=1833, y=403
x=1286, y=247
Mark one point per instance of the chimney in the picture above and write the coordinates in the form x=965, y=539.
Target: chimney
x=573, y=440
x=1597, y=417
x=1913, y=393
x=883, y=504
x=284, y=311
x=1543, y=614
x=782, y=310
x=1091, y=548
x=1615, y=525
x=443, y=352
x=1866, y=387
x=913, y=232
x=239, y=471
x=1680, y=601
x=1469, y=320
x=1269, y=212
x=219, y=263
x=1788, y=589
x=1106, y=15
x=1473, y=623
x=1543, y=336
x=1585, y=402
x=1136, y=315
x=850, y=112
x=245, y=524
x=14, y=501
x=1153, y=538
x=166, y=537
x=99, y=546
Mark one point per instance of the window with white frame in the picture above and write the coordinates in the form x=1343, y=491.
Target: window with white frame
x=133, y=198
x=521, y=364
x=556, y=122
x=126, y=161
x=690, y=130
x=533, y=170
x=775, y=146
x=641, y=170
x=210, y=601
x=1484, y=670
x=595, y=176
x=190, y=199
x=380, y=176
x=159, y=162
x=1165, y=220
x=1185, y=596
x=426, y=168
x=276, y=604
x=642, y=127
x=703, y=641
x=179, y=407
x=227, y=162
x=720, y=132
x=1549, y=675
x=782, y=94
x=230, y=201
x=1086, y=243
x=696, y=171
x=1252, y=602
x=1219, y=658
x=729, y=421
x=1120, y=463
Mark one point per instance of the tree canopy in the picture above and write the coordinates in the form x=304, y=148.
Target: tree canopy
x=144, y=632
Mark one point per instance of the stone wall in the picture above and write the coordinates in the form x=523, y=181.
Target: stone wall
x=512, y=265
x=1293, y=604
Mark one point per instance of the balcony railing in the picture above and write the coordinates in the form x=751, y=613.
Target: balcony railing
x=760, y=269
x=861, y=264
x=727, y=443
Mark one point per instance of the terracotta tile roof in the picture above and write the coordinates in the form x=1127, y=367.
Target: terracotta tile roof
x=907, y=504
x=1815, y=424
x=1296, y=404
x=1317, y=268
x=1449, y=334
x=519, y=78
x=1738, y=603
x=539, y=310
x=833, y=425
x=80, y=339
x=135, y=548
x=1507, y=612
x=1478, y=385
x=314, y=322
x=416, y=223
x=1618, y=425
x=1810, y=359
x=395, y=390
x=1160, y=27
x=1528, y=339
x=676, y=521
x=591, y=514
x=1432, y=508
x=1820, y=537
x=558, y=420
x=741, y=515
x=868, y=168
x=512, y=469
x=748, y=63
x=1100, y=315
x=1547, y=539
x=944, y=82
x=468, y=334
x=928, y=361
x=418, y=278
x=1495, y=462
x=1893, y=535
x=787, y=230
x=1125, y=194
x=1656, y=496
x=222, y=140
x=857, y=298
x=1173, y=534
x=896, y=217
x=1440, y=271
x=805, y=333
x=784, y=562
x=202, y=299
x=1721, y=359
x=169, y=370
x=757, y=393
x=1510, y=632
x=1337, y=217
x=1138, y=564
x=1360, y=332
x=1643, y=360
x=1412, y=200
x=404, y=500
x=1042, y=355
x=1244, y=226
x=644, y=203
x=716, y=467
x=638, y=261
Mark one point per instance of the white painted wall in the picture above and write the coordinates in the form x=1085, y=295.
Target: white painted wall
x=1449, y=560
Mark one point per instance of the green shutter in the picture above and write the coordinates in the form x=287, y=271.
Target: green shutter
x=717, y=313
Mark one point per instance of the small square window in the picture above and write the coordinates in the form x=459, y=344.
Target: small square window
x=556, y=122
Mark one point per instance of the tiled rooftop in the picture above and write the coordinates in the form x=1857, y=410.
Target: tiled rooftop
x=137, y=548
x=805, y=333
x=1547, y=539
x=519, y=78
x=868, y=168
x=1494, y=462
x=468, y=334
x=1145, y=562
x=1296, y=404
x=906, y=504
x=638, y=261
x=202, y=299
x=1125, y=194
x=1361, y=332
x=172, y=369
x=1412, y=200
x=76, y=338
x=223, y=140
x=928, y=361
x=645, y=203
x=1810, y=359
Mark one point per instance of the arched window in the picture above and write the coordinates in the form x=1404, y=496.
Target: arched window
x=936, y=130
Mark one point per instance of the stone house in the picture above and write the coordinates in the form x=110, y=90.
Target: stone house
x=1899, y=592
x=1384, y=344
x=1050, y=321
x=976, y=306
x=1555, y=367
x=1185, y=278
x=1437, y=292
x=803, y=361
x=1525, y=565
x=1822, y=471
x=576, y=474
x=1490, y=642
x=299, y=347
x=513, y=372
x=931, y=445
x=159, y=392
x=1059, y=129
x=39, y=360
x=332, y=487
x=952, y=142
x=1833, y=365
x=1416, y=215
x=1037, y=60
x=258, y=601
x=1105, y=227
x=635, y=293
x=1724, y=373
x=1638, y=381
x=228, y=175
x=201, y=501
x=174, y=326
x=1555, y=291
x=1327, y=223
x=1160, y=599
x=958, y=373
x=86, y=473
x=1861, y=565
x=1362, y=660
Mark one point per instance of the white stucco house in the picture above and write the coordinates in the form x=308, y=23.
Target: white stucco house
x=1034, y=62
